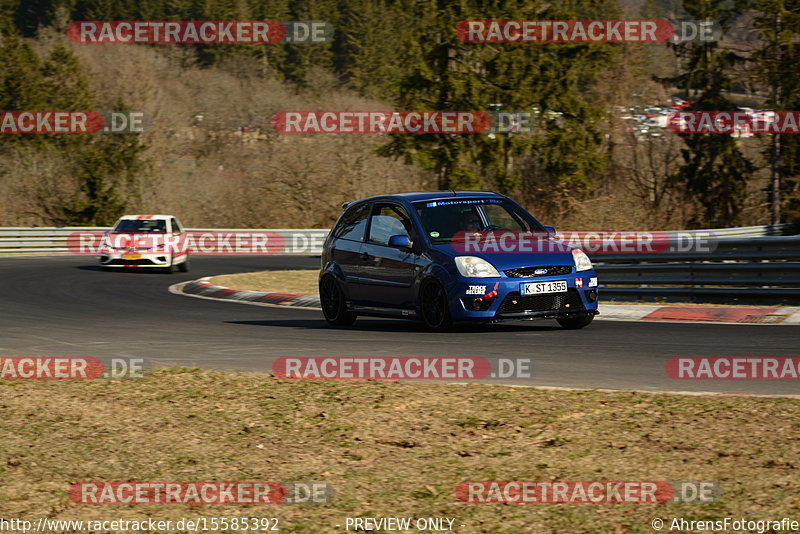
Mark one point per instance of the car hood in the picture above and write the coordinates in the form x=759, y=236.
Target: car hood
x=135, y=240
x=552, y=253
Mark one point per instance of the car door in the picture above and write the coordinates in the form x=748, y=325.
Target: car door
x=346, y=248
x=388, y=273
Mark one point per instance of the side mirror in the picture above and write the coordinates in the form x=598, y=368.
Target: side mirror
x=550, y=230
x=400, y=241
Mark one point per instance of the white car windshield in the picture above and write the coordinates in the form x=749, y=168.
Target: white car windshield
x=141, y=226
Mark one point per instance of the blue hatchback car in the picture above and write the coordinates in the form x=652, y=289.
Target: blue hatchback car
x=451, y=256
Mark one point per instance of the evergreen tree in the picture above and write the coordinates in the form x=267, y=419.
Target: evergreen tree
x=21, y=82
x=102, y=163
x=30, y=15
x=272, y=57
x=444, y=73
x=106, y=166
x=301, y=57
x=366, y=51
x=715, y=172
x=66, y=86
x=22, y=85
x=777, y=65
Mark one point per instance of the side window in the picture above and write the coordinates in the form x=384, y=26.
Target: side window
x=175, y=226
x=502, y=219
x=353, y=224
x=388, y=220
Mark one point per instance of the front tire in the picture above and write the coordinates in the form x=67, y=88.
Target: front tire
x=575, y=323
x=184, y=267
x=334, y=306
x=435, y=306
x=171, y=268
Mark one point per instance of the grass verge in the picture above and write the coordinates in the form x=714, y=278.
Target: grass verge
x=391, y=448
x=302, y=282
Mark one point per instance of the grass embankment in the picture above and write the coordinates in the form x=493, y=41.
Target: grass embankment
x=390, y=448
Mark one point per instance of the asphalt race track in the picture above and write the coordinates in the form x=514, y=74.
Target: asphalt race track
x=67, y=306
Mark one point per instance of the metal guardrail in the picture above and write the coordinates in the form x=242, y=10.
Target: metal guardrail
x=16, y=240
x=763, y=270
x=746, y=265
x=741, y=231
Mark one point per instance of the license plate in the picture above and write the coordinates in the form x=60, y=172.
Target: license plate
x=538, y=288
x=131, y=256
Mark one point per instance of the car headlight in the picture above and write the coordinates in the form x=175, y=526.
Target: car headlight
x=582, y=261
x=474, y=267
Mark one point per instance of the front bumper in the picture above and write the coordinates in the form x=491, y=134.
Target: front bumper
x=503, y=298
x=145, y=259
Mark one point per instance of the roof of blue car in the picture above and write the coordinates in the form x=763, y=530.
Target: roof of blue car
x=436, y=195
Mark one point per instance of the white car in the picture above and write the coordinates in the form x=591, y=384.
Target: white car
x=155, y=241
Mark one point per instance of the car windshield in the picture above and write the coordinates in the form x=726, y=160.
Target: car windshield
x=141, y=226
x=445, y=219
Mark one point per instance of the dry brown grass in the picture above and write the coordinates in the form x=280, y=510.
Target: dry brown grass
x=391, y=448
x=207, y=172
x=301, y=282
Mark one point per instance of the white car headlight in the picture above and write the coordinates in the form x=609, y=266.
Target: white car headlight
x=474, y=267
x=582, y=261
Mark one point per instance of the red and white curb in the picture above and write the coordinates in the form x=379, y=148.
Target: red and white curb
x=701, y=314
x=203, y=288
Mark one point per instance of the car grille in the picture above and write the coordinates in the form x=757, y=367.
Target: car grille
x=528, y=272
x=131, y=262
x=516, y=303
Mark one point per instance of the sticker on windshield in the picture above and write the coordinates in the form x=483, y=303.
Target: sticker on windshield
x=458, y=202
x=434, y=234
